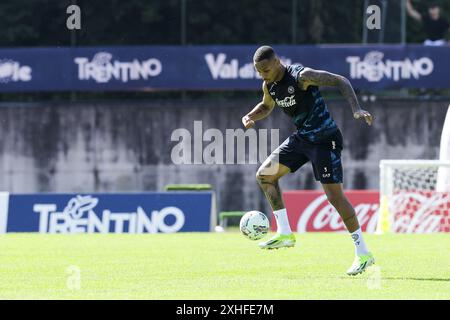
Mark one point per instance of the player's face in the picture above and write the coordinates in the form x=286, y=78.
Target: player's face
x=267, y=69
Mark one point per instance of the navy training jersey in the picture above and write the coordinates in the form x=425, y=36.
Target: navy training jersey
x=307, y=108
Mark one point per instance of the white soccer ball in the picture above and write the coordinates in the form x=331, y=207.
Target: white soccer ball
x=254, y=225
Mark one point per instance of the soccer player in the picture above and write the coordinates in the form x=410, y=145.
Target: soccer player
x=294, y=89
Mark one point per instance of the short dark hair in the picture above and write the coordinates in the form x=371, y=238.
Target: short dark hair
x=264, y=52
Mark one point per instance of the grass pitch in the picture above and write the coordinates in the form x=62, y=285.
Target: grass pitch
x=219, y=266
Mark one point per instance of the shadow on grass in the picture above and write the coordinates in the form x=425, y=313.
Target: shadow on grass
x=417, y=279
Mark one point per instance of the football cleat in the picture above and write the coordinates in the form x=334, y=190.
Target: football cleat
x=279, y=241
x=360, y=264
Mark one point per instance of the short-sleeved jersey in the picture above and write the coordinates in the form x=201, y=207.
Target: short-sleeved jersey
x=307, y=108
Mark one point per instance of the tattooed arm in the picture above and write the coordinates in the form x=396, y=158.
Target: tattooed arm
x=313, y=77
x=262, y=109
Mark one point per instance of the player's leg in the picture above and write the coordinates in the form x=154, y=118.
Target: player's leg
x=339, y=201
x=337, y=198
x=282, y=161
x=267, y=177
x=326, y=159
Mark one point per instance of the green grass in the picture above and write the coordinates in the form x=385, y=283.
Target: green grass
x=220, y=266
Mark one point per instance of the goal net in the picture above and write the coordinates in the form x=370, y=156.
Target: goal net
x=414, y=196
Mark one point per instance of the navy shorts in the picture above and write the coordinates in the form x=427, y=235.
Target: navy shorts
x=325, y=156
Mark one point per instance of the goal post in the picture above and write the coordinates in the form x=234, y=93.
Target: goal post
x=414, y=196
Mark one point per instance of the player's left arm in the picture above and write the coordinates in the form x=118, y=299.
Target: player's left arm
x=313, y=77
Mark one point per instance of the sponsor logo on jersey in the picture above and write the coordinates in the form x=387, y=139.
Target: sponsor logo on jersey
x=291, y=89
x=286, y=102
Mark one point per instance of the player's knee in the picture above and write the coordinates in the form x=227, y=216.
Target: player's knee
x=261, y=176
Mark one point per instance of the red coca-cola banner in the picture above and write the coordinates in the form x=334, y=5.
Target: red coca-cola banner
x=418, y=211
x=311, y=211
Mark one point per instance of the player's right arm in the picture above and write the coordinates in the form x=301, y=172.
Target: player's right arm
x=261, y=110
x=412, y=12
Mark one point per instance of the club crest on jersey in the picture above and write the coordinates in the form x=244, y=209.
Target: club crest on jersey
x=290, y=89
x=286, y=102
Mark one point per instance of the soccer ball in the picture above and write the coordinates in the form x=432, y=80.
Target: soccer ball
x=254, y=225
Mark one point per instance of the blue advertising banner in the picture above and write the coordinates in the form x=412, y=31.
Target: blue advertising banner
x=107, y=213
x=147, y=68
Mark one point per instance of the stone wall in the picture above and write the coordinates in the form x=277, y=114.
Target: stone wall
x=126, y=146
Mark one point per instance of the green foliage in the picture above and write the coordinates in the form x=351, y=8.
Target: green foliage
x=142, y=22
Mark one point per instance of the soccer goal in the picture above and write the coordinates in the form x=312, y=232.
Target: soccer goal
x=414, y=196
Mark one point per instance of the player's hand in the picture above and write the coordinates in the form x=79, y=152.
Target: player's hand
x=363, y=114
x=247, y=122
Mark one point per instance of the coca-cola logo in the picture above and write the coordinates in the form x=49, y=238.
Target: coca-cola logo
x=321, y=215
x=410, y=211
x=420, y=212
